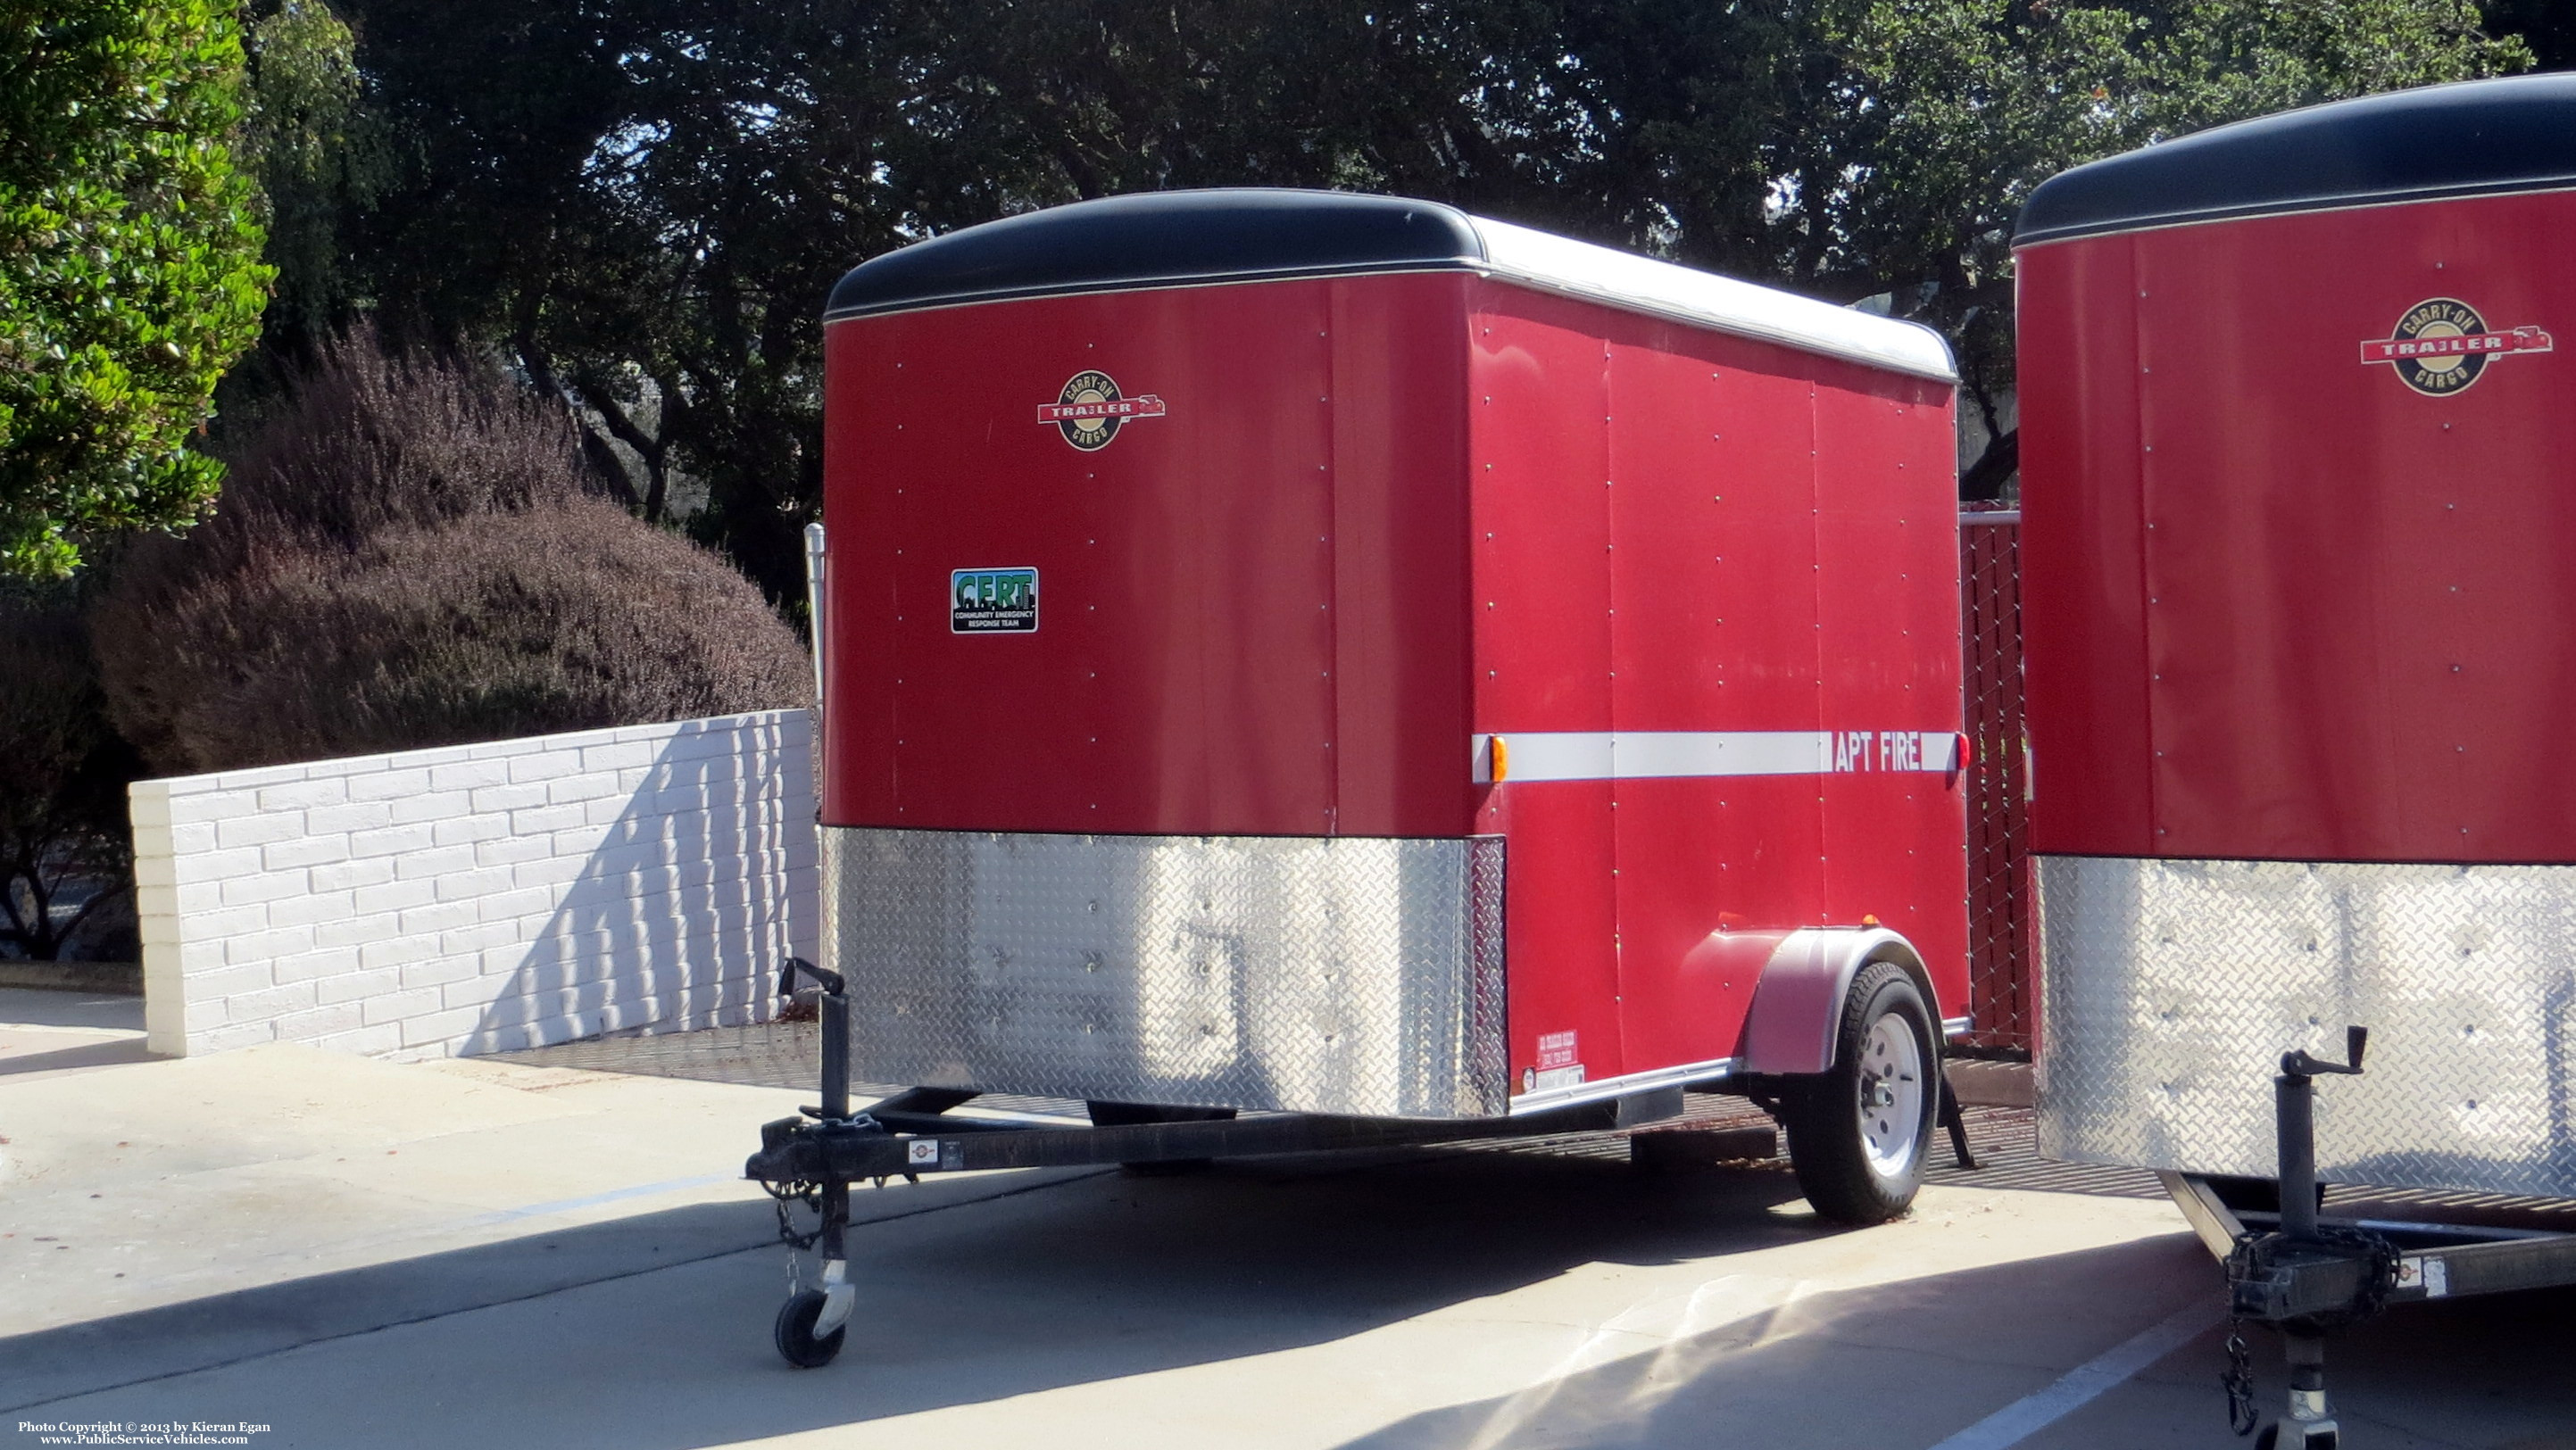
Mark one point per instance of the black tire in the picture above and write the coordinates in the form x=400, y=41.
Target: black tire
x=1848, y=1175
x=794, y=1332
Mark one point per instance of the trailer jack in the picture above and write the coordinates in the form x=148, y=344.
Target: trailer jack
x=2288, y=1278
x=2306, y=1276
x=812, y=1323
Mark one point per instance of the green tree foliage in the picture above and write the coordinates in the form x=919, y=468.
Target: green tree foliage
x=129, y=264
x=645, y=201
x=643, y=204
x=320, y=154
x=1960, y=108
x=2547, y=26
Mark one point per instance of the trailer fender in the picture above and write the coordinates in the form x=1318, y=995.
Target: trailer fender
x=1798, y=998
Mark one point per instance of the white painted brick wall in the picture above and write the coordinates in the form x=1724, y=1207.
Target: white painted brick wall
x=480, y=898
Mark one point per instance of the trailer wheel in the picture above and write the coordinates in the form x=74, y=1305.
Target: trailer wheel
x=794, y=1332
x=1857, y=1133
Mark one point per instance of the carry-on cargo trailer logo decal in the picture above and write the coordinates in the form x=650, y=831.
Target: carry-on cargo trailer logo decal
x=1090, y=408
x=2442, y=345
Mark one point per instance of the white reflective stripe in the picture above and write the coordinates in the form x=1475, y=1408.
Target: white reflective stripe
x=1636, y=755
x=1669, y=754
x=1557, y=757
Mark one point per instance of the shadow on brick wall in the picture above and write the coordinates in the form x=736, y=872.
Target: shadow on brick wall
x=700, y=885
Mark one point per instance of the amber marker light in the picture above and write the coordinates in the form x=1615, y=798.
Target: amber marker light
x=1502, y=759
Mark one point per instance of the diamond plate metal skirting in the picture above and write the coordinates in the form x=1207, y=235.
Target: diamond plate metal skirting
x=2172, y=988
x=1264, y=973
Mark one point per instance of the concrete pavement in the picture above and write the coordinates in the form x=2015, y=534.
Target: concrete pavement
x=50, y=1031
x=361, y=1253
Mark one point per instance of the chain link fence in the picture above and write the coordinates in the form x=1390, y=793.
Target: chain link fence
x=2003, y=987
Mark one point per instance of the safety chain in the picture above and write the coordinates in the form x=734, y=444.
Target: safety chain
x=808, y=1194
x=2381, y=1280
x=2239, y=1380
x=2252, y=1257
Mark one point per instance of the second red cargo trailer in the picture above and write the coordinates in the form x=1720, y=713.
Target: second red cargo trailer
x=1322, y=654
x=2297, y=516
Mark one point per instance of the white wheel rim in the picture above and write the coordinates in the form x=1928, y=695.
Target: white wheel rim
x=1891, y=1095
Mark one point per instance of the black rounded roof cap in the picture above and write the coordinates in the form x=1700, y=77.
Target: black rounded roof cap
x=1162, y=238
x=2469, y=139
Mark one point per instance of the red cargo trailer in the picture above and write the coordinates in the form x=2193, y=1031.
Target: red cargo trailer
x=1303, y=653
x=2299, y=611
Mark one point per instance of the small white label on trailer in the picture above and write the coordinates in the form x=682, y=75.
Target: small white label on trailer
x=1556, y=1049
x=924, y=1150
x=2425, y=1270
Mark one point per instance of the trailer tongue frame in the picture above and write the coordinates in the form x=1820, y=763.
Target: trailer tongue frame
x=817, y=1157
x=2304, y=1274
x=902, y=1137
x=2327, y=1276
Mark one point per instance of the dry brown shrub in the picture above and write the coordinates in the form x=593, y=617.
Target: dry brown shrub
x=410, y=554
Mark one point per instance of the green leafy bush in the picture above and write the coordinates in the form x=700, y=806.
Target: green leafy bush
x=129, y=265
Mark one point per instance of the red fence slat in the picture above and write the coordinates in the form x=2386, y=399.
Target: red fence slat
x=2003, y=986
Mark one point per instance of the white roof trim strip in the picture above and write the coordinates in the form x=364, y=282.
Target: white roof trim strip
x=1642, y=284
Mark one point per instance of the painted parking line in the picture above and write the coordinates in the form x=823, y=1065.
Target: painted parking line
x=2084, y=1384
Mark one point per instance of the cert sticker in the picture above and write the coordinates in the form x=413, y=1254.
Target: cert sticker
x=922, y=1150
x=992, y=601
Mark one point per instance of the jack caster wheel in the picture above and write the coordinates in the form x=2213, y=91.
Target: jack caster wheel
x=1857, y=1133
x=2299, y=1437
x=795, y=1332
